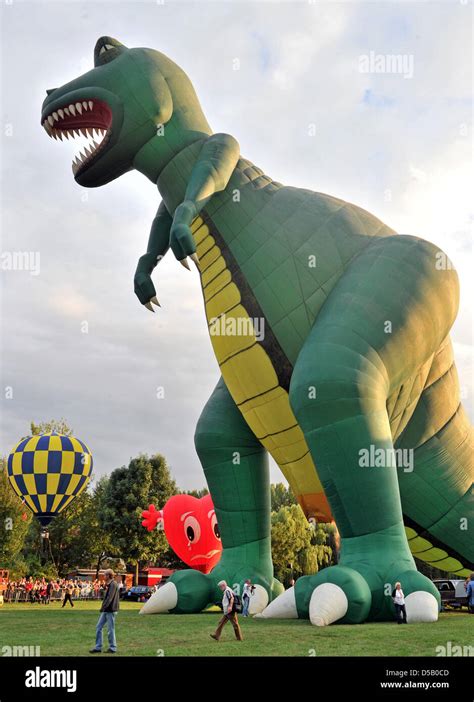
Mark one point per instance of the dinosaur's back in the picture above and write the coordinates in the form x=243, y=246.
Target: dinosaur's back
x=291, y=246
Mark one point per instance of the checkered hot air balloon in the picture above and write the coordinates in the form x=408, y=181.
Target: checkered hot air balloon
x=48, y=471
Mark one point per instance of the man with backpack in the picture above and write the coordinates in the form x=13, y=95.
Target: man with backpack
x=230, y=605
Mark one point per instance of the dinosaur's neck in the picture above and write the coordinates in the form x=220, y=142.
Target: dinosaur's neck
x=154, y=157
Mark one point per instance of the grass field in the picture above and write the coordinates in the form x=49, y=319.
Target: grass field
x=70, y=632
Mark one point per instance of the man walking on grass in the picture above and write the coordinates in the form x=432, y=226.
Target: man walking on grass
x=229, y=614
x=108, y=612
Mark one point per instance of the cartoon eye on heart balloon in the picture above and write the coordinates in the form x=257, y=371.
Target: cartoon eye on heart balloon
x=190, y=525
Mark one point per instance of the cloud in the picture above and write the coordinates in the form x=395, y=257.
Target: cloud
x=264, y=72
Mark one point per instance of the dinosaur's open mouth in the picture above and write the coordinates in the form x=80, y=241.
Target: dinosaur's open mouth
x=89, y=118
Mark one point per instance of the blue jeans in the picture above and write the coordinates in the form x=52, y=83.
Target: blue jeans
x=245, y=606
x=109, y=619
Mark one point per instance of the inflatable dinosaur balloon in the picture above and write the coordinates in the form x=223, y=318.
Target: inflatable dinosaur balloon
x=332, y=336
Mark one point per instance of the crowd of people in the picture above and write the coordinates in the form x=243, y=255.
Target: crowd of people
x=43, y=590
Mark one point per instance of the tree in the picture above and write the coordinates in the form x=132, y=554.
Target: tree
x=98, y=540
x=295, y=547
x=60, y=426
x=320, y=540
x=129, y=490
x=15, y=519
x=281, y=496
x=202, y=492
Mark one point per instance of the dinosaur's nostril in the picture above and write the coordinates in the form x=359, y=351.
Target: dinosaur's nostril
x=48, y=92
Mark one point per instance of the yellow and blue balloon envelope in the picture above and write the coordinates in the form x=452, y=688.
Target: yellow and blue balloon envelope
x=48, y=471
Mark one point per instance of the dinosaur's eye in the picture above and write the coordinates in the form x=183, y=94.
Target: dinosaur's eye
x=192, y=529
x=105, y=48
x=215, y=527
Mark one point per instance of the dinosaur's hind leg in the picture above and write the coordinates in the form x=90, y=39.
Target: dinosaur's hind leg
x=383, y=321
x=237, y=473
x=436, y=494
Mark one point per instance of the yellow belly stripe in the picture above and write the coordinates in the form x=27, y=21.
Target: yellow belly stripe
x=422, y=549
x=251, y=378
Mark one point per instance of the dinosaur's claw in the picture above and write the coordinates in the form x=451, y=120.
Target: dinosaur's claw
x=164, y=599
x=184, y=262
x=155, y=301
x=149, y=306
x=283, y=607
x=328, y=604
x=195, y=258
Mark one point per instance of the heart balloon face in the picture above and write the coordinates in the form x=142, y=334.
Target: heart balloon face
x=192, y=531
x=191, y=528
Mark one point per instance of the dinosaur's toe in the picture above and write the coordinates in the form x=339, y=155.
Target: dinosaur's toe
x=328, y=604
x=187, y=592
x=163, y=600
x=336, y=594
x=421, y=606
x=282, y=607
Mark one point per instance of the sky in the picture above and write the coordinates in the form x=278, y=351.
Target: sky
x=296, y=84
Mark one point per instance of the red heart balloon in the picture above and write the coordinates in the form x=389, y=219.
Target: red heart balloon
x=191, y=528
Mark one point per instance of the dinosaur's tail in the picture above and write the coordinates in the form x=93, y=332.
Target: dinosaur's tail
x=437, y=495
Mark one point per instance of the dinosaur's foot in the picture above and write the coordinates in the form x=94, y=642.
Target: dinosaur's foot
x=361, y=587
x=336, y=594
x=189, y=591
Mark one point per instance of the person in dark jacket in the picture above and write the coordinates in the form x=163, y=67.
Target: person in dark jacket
x=108, y=612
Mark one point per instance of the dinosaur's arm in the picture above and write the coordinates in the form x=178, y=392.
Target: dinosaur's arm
x=158, y=245
x=211, y=173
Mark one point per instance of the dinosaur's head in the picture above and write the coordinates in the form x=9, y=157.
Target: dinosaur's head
x=119, y=105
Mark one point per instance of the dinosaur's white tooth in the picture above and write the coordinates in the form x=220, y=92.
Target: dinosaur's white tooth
x=50, y=120
x=66, y=111
x=91, y=104
x=66, y=135
x=85, y=105
x=77, y=132
x=90, y=132
x=83, y=131
x=60, y=135
x=55, y=116
x=71, y=133
x=61, y=114
x=87, y=151
x=95, y=146
x=72, y=110
x=79, y=107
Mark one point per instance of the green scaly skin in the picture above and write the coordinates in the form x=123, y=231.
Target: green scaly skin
x=325, y=324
